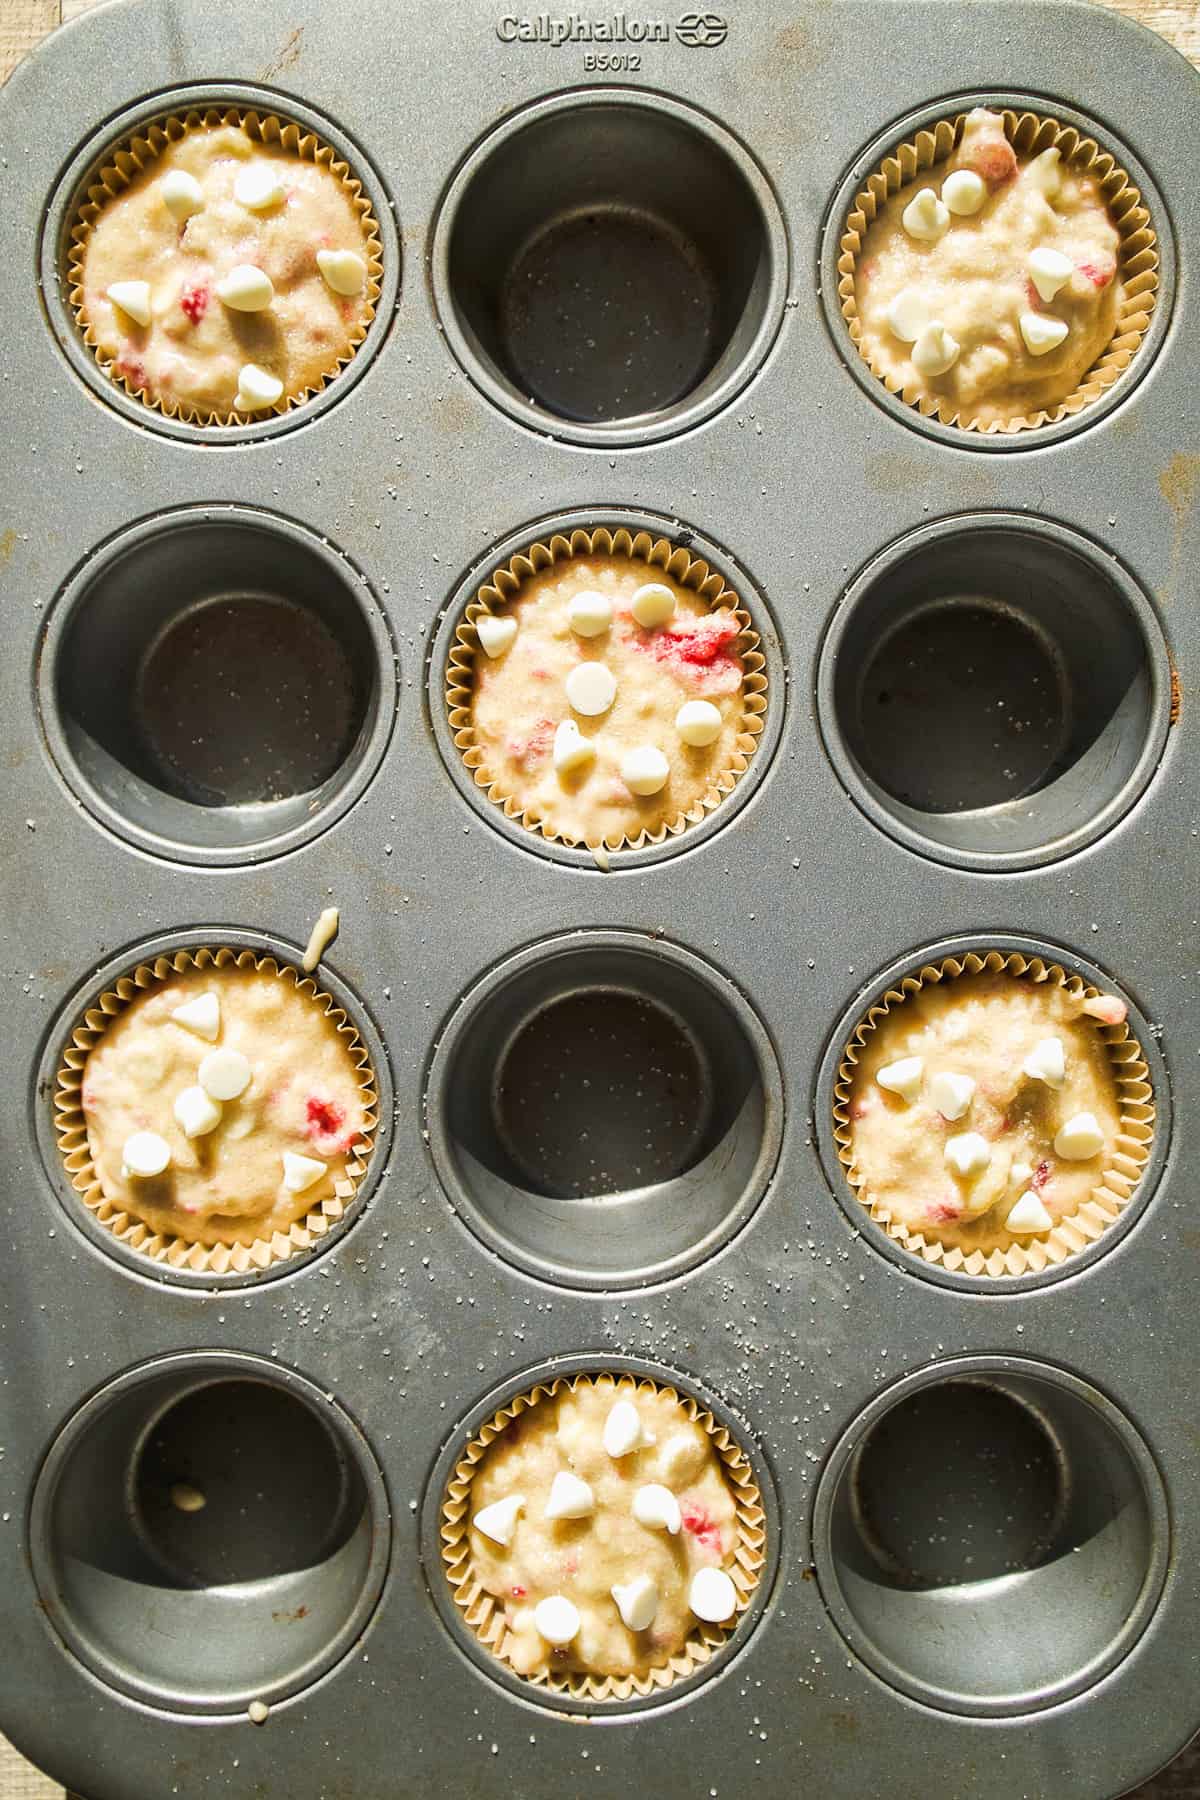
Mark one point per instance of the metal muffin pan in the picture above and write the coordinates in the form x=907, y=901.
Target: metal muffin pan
x=795, y=901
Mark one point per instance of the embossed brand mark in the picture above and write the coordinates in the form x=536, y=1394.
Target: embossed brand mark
x=694, y=29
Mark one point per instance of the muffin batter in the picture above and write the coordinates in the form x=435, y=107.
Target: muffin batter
x=250, y=1092
x=589, y=767
x=984, y=1109
x=207, y=266
x=671, y=1474
x=990, y=283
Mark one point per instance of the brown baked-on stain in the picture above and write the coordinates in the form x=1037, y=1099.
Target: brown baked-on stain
x=289, y=56
x=8, y=543
x=290, y=1617
x=1176, y=697
x=1179, y=482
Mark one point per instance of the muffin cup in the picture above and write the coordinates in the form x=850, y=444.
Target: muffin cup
x=1112, y=1191
x=127, y=159
x=485, y=1617
x=233, y=1257
x=504, y=585
x=1029, y=134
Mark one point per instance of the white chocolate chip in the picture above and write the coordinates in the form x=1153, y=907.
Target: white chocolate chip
x=495, y=635
x=925, y=218
x=246, y=289
x=951, y=1093
x=569, y=1498
x=645, y=769
x=935, y=350
x=652, y=605
x=1080, y=1138
x=682, y=1457
x=259, y=1712
x=968, y=1154
x=656, y=1507
x=499, y=1520
x=145, y=1153
x=964, y=192
x=572, y=751
x=637, y=1601
x=556, y=1620
x=257, y=388
x=201, y=1015
x=1041, y=333
x=908, y=315
x=300, y=1172
x=1044, y=172
x=1028, y=1216
x=1049, y=270
x=133, y=298
x=258, y=188
x=591, y=689
x=1047, y=1062
x=588, y=614
x=712, y=1595
x=196, y=1113
x=903, y=1077
x=181, y=194
x=1020, y=1173
x=224, y=1074
x=698, y=722
x=342, y=270
x=624, y=1431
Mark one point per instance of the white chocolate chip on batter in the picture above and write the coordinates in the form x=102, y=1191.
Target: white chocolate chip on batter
x=572, y=751
x=246, y=288
x=1041, y=334
x=968, y=1154
x=698, y=723
x=224, y=1074
x=964, y=192
x=145, y=1154
x=591, y=689
x=300, y=1172
x=1044, y=172
x=569, y=1498
x=495, y=635
x=652, y=605
x=257, y=388
x=645, y=769
x=499, y=1520
x=903, y=1077
x=1049, y=270
x=935, y=351
x=556, y=1619
x=196, y=1113
x=181, y=194
x=925, y=218
x=342, y=270
x=712, y=1595
x=656, y=1507
x=1028, y=1216
x=589, y=613
x=951, y=1093
x=1021, y=1174
x=1080, y=1138
x=133, y=298
x=624, y=1431
x=637, y=1601
x=1047, y=1062
x=908, y=315
x=258, y=188
x=201, y=1015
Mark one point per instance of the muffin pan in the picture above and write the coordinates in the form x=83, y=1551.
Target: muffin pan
x=983, y=1506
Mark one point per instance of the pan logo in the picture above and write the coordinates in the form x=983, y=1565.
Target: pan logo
x=702, y=30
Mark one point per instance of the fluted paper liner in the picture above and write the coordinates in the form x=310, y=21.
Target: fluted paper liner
x=1029, y=134
x=177, y=1252
x=503, y=586
x=142, y=147
x=485, y=1615
x=1112, y=1191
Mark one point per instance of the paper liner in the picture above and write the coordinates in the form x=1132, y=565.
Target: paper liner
x=1029, y=134
x=503, y=586
x=485, y=1616
x=1112, y=1191
x=132, y=155
x=71, y=1128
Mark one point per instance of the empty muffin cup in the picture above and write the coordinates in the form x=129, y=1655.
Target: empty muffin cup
x=235, y=1247
x=934, y=137
x=994, y=692
x=208, y=1531
x=217, y=684
x=479, y=1616
x=1003, y=1254
x=604, y=1110
x=610, y=266
x=991, y=1536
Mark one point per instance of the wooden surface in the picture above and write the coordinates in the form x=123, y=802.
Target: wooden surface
x=22, y=24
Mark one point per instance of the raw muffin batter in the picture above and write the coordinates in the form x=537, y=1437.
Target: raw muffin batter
x=984, y=1108
x=593, y=1588
x=244, y=1085
x=577, y=705
x=990, y=282
x=230, y=276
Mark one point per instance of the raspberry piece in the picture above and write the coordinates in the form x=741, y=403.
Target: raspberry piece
x=533, y=748
x=193, y=302
x=1041, y=1176
x=697, y=1522
x=1099, y=274
x=325, y=1119
x=942, y=1214
x=994, y=161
